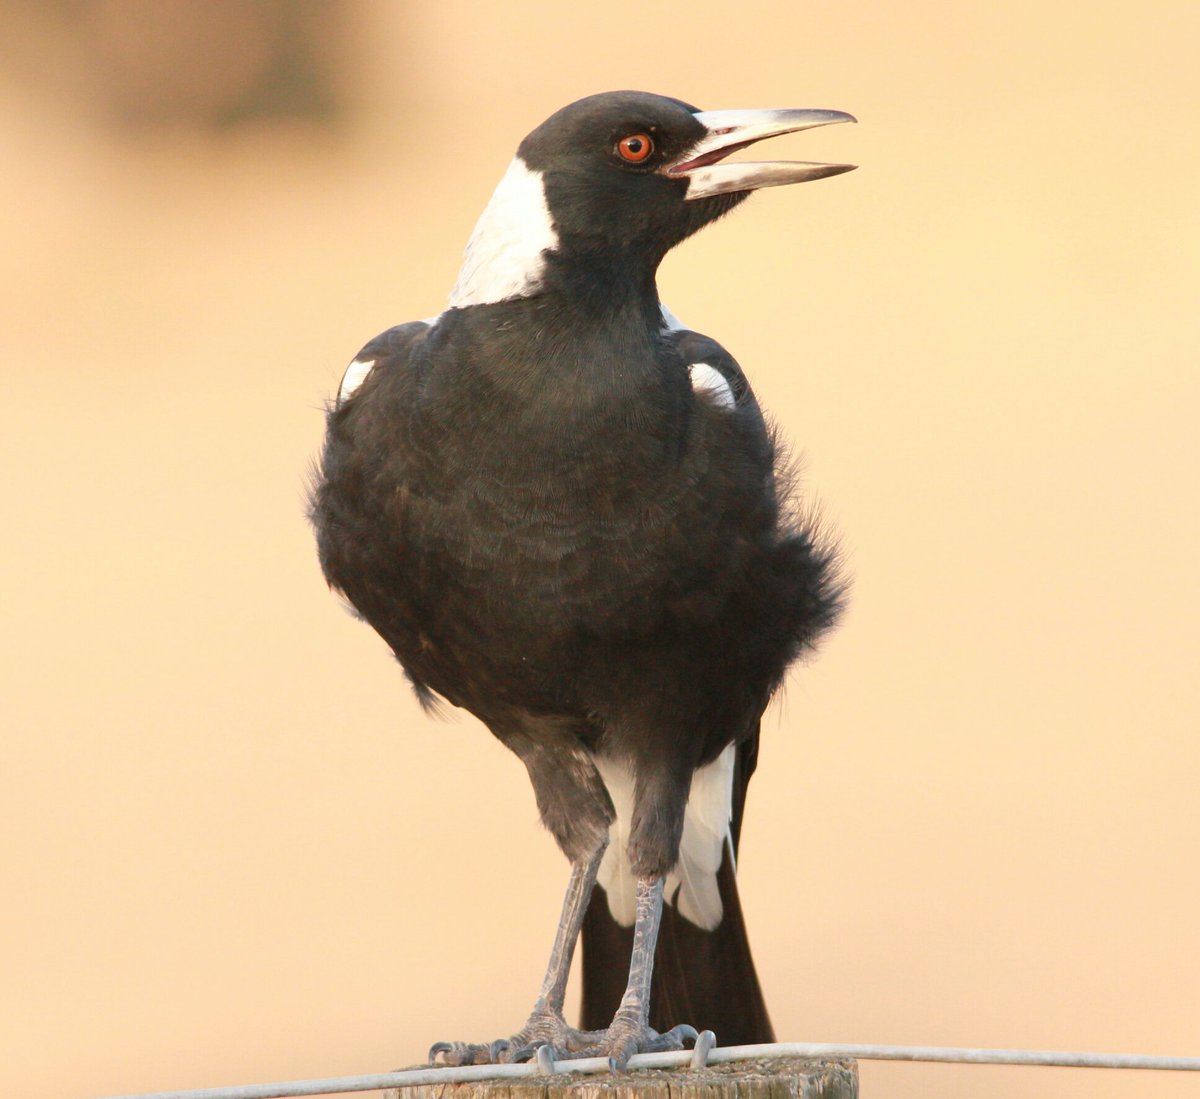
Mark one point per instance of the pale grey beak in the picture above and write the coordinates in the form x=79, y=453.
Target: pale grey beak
x=729, y=131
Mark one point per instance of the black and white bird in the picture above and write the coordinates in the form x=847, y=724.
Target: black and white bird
x=562, y=509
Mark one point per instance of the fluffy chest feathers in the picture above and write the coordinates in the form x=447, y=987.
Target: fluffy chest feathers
x=511, y=477
x=518, y=401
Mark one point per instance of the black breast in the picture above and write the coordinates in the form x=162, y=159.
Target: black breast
x=540, y=517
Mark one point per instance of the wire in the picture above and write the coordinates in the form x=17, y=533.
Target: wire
x=679, y=1058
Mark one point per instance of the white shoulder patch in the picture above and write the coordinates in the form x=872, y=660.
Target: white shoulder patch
x=671, y=322
x=504, y=257
x=706, y=380
x=356, y=374
x=709, y=381
x=692, y=885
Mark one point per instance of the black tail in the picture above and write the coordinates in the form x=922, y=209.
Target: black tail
x=705, y=978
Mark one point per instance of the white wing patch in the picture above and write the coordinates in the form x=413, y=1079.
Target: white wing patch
x=710, y=382
x=356, y=374
x=357, y=371
x=707, y=380
x=504, y=257
x=671, y=322
x=692, y=885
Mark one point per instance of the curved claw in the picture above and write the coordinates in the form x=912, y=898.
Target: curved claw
x=497, y=1051
x=624, y=1046
x=513, y=1054
x=467, y=1053
x=620, y=1048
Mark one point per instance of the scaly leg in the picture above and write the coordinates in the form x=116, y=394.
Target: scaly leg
x=546, y=1025
x=630, y=1032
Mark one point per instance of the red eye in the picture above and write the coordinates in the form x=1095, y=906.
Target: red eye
x=635, y=148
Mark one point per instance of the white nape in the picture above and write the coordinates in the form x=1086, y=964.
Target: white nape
x=505, y=256
x=709, y=381
x=692, y=885
x=356, y=374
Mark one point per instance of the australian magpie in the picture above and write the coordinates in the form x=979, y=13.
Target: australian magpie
x=562, y=509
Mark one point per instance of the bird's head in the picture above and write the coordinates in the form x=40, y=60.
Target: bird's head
x=609, y=184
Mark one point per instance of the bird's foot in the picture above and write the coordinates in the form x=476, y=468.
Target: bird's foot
x=544, y=1028
x=618, y=1043
x=625, y=1037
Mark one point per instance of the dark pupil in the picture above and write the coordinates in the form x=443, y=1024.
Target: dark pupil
x=634, y=145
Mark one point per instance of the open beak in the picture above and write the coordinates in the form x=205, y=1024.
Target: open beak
x=729, y=131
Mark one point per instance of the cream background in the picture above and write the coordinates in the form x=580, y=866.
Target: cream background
x=235, y=851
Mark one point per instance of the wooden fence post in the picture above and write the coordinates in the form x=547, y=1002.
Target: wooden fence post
x=767, y=1078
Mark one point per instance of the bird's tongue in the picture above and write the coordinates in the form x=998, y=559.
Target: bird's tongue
x=711, y=157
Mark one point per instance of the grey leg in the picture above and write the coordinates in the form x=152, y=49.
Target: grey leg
x=575, y=806
x=629, y=1032
x=579, y=892
x=546, y=1025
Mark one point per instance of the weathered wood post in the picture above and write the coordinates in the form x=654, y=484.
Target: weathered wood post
x=766, y=1078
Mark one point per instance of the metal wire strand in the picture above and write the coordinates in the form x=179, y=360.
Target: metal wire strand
x=682, y=1058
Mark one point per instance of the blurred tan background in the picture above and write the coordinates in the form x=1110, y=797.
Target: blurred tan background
x=233, y=848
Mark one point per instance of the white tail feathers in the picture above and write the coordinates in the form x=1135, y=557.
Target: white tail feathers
x=615, y=873
x=692, y=885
